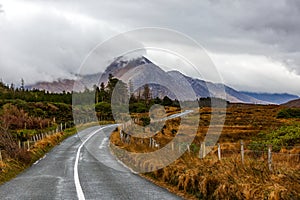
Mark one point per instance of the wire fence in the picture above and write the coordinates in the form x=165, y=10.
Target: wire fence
x=30, y=142
x=27, y=143
x=288, y=156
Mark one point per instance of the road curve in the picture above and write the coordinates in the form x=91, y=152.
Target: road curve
x=100, y=175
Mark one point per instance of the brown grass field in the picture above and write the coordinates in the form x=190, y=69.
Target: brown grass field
x=209, y=178
x=9, y=167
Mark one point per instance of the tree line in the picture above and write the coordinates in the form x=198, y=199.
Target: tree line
x=11, y=92
x=118, y=93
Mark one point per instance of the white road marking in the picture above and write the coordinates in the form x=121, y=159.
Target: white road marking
x=36, y=162
x=102, y=145
x=79, y=190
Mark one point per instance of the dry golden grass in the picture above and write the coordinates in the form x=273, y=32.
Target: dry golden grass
x=210, y=178
x=229, y=179
x=11, y=167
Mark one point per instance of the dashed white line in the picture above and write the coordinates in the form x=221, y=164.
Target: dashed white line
x=36, y=162
x=79, y=190
x=102, y=145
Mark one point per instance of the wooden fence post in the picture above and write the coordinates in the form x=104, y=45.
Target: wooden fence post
x=188, y=148
x=270, y=157
x=129, y=139
x=150, y=142
x=219, y=151
x=172, y=145
x=28, y=145
x=242, y=151
x=121, y=134
x=19, y=144
x=202, y=150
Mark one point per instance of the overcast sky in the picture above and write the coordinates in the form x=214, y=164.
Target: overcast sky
x=255, y=45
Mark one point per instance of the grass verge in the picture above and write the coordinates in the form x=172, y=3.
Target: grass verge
x=10, y=168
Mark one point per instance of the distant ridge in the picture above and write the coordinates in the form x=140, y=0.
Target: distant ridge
x=139, y=69
x=58, y=86
x=293, y=104
x=275, y=98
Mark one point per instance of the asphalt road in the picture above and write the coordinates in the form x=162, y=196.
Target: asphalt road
x=81, y=168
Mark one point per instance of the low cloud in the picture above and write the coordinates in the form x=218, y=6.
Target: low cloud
x=46, y=40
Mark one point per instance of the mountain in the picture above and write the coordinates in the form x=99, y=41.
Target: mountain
x=89, y=80
x=122, y=65
x=209, y=89
x=274, y=98
x=293, y=104
x=55, y=86
x=141, y=70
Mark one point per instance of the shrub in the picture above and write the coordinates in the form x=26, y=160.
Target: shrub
x=167, y=101
x=289, y=113
x=138, y=108
x=145, y=121
x=285, y=136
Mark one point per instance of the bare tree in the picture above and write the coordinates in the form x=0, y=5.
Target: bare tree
x=147, y=94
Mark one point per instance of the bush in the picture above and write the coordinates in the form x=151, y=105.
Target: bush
x=145, y=121
x=289, y=113
x=138, y=108
x=167, y=101
x=285, y=136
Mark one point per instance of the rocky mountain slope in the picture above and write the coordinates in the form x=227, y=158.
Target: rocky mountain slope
x=141, y=70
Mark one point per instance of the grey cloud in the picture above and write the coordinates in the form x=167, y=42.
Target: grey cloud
x=50, y=42
x=46, y=47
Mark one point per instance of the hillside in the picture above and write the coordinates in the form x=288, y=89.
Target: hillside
x=293, y=104
x=139, y=70
x=274, y=98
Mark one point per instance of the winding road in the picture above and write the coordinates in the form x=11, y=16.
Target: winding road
x=72, y=171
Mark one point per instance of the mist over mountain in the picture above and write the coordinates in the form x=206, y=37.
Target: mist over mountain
x=275, y=98
x=140, y=71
